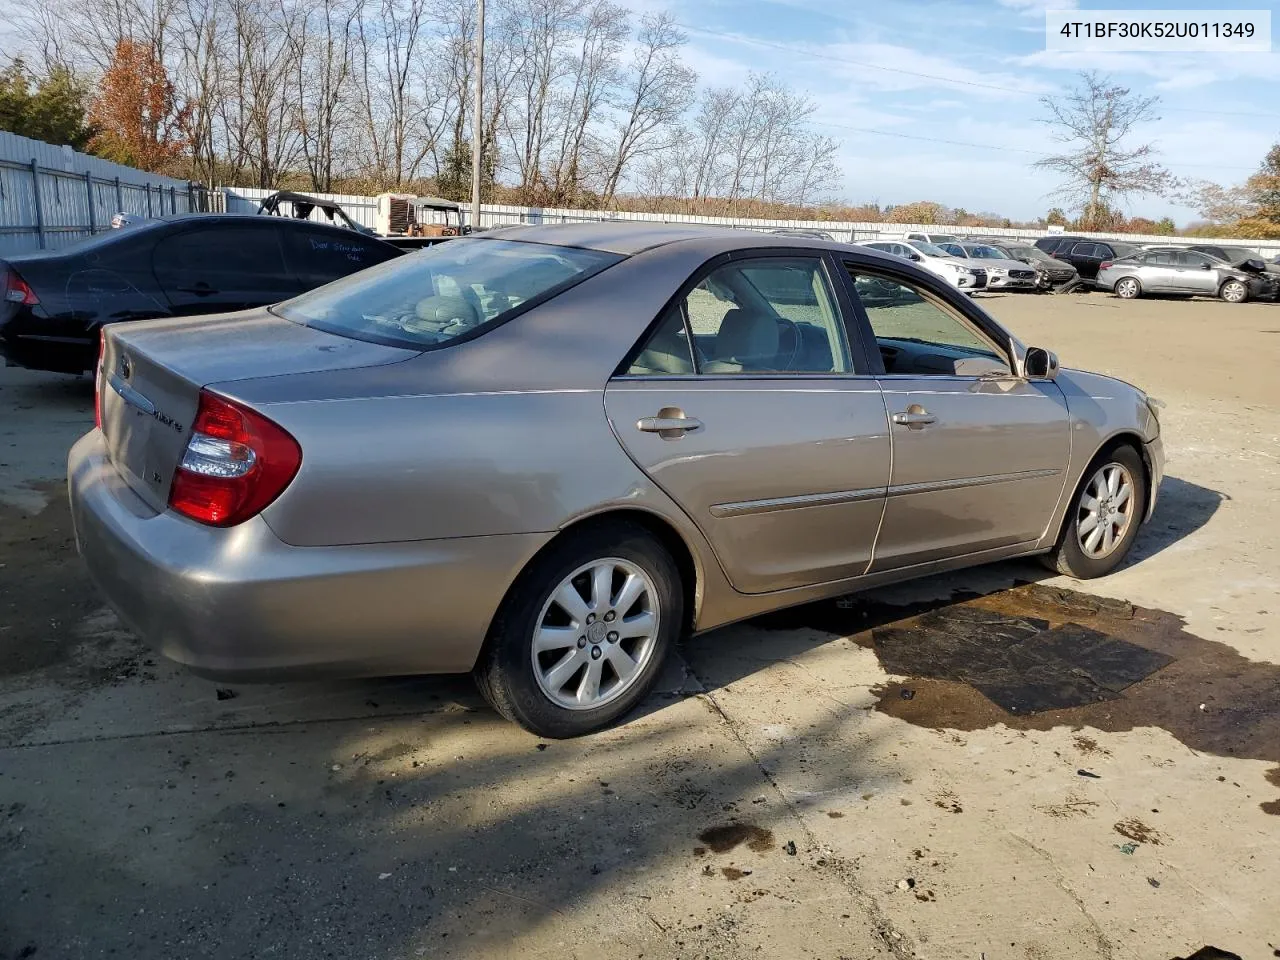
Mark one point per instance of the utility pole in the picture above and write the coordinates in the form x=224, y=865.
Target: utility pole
x=477, y=126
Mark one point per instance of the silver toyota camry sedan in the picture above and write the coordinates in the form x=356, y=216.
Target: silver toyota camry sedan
x=545, y=454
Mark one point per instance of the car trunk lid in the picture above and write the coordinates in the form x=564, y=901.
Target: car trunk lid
x=153, y=372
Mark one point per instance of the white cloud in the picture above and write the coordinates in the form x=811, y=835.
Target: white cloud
x=1038, y=7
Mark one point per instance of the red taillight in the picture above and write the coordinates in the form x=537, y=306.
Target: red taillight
x=1104, y=264
x=236, y=462
x=97, y=379
x=17, y=290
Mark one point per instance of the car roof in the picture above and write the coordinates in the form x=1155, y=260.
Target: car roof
x=628, y=237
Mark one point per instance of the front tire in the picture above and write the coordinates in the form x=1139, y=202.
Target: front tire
x=1127, y=288
x=1233, y=291
x=1104, y=516
x=581, y=637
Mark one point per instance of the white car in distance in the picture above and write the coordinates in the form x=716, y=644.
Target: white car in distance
x=934, y=259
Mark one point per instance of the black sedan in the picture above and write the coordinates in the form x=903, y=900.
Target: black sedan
x=53, y=304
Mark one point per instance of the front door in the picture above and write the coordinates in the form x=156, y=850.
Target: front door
x=743, y=406
x=979, y=455
x=1196, y=273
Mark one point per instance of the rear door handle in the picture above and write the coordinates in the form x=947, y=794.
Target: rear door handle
x=200, y=290
x=915, y=417
x=669, y=424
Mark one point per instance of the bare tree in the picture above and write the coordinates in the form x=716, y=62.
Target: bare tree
x=659, y=88
x=1093, y=123
x=321, y=48
x=605, y=26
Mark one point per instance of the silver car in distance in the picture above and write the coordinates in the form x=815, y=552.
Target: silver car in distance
x=545, y=454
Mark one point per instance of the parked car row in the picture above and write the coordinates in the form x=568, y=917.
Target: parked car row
x=981, y=264
x=53, y=305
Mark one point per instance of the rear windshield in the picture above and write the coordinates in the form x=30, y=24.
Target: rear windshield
x=455, y=288
x=1125, y=250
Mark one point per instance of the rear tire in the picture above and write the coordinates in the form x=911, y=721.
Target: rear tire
x=562, y=673
x=1103, y=519
x=1128, y=288
x=1233, y=291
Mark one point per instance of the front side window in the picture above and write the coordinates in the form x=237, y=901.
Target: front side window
x=426, y=299
x=917, y=336
x=1188, y=259
x=954, y=250
x=769, y=315
x=1085, y=250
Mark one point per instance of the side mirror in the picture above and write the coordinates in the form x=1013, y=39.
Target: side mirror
x=1040, y=364
x=915, y=256
x=1206, y=266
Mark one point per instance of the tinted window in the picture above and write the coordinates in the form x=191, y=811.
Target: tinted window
x=427, y=299
x=317, y=257
x=1118, y=250
x=1085, y=250
x=928, y=249
x=1161, y=258
x=914, y=333
x=225, y=256
x=954, y=250
x=1188, y=259
x=768, y=315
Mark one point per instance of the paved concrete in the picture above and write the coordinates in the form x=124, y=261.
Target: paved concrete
x=142, y=815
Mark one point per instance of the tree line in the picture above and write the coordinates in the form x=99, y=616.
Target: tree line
x=584, y=104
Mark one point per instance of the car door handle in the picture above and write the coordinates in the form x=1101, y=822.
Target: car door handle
x=200, y=290
x=669, y=424
x=914, y=418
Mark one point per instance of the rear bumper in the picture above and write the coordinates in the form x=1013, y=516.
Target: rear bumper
x=240, y=604
x=57, y=354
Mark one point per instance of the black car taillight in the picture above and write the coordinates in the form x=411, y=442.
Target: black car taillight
x=1104, y=264
x=17, y=290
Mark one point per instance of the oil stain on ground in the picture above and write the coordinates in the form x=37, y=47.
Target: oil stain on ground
x=1035, y=658
x=723, y=838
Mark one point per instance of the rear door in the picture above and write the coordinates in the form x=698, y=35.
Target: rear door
x=1159, y=272
x=315, y=256
x=223, y=265
x=979, y=454
x=746, y=405
x=1086, y=258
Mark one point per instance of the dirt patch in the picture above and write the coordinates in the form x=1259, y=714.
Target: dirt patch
x=1059, y=658
x=45, y=592
x=733, y=873
x=1137, y=831
x=835, y=814
x=1273, y=806
x=725, y=837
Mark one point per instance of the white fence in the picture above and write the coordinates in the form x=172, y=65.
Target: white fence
x=364, y=210
x=51, y=196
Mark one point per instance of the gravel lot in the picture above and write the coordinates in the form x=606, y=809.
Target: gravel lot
x=836, y=781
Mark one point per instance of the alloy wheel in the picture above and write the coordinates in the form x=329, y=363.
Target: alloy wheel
x=1127, y=288
x=1233, y=291
x=1105, y=511
x=596, y=634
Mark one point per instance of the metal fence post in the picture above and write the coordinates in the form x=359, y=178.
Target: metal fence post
x=119, y=197
x=35, y=188
x=93, y=214
x=173, y=199
x=148, y=186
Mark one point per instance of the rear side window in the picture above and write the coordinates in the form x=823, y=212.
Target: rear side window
x=1085, y=250
x=1159, y=258
x=450, y=290
x=218, y=249
x=317, y=257
x=771, y=315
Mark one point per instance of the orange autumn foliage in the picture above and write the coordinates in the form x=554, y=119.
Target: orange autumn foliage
x=136, y=111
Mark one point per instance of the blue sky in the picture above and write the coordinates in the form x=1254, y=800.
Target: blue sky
x=1219, y=113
